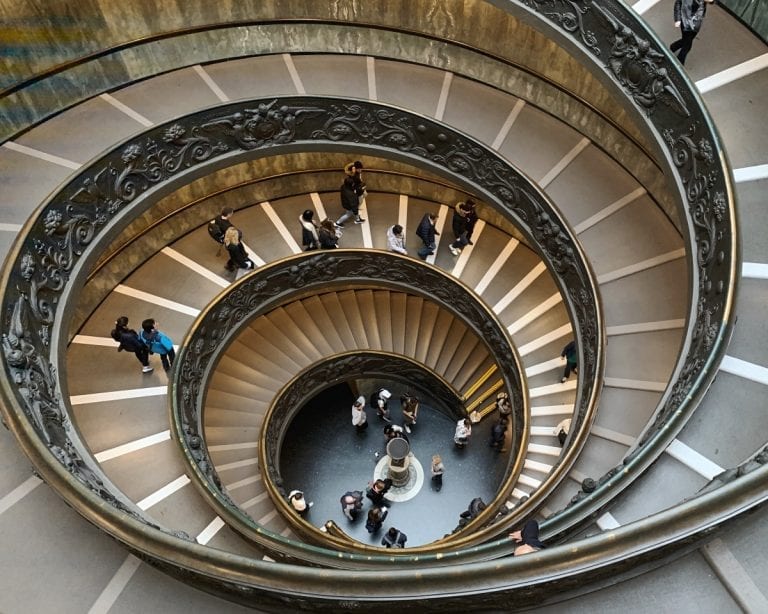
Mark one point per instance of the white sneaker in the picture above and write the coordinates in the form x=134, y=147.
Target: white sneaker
x=147, y=369
x=310, y=504
x=407, y=429
x=454, y=251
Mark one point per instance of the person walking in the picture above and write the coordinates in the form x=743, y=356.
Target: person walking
x=298, y=502
x=238, y=257
x=409, y=405
x=309, y=238
x=460, y=225
x=561, y=430
x=463, y=432
x=352, y=503
x=689, y=15
x=351, y=196
x=378, y=490
x=327, y=235
x=571, y=361
x=503, y=405
x=394, y=539
x=129, y=340
x=427, y=232
x=359, y=418
x=396, y=240
x=355, y=170
x=499, y=434
x=437, y=469
x=376, y=516
x=157, y=342
x=392, y=431
x=218, y=225
x=380, y=402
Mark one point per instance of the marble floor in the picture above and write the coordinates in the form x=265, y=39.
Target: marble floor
x=325, y=456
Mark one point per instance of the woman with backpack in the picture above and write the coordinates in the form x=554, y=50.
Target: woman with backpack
x=129, y=340
x=157, y=342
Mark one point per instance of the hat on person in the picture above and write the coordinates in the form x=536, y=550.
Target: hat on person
x=385, y=394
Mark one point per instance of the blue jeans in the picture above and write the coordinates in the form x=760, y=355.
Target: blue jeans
x=348, y=214
x=426, y=251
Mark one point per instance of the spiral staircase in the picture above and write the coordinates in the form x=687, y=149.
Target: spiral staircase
x=161, y=262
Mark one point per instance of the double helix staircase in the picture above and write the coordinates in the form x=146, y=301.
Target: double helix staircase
x=635, y=250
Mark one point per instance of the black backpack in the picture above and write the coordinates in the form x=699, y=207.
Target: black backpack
x=214, y=230
x=117, y=335
x=374, y=400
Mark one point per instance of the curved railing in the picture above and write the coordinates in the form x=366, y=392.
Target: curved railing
x=89, y=211
x=610, y=35
x=47, y=263
x=351, y=366
x=290, y=279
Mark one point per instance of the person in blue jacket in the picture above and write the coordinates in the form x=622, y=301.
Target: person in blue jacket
x=157, y=342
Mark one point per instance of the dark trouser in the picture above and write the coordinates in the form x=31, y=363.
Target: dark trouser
x=684, y=45
x=437, y=480
x=142, y=354
x=461, y=241
x=426, y=250
x=569, y=366
x=168, y=358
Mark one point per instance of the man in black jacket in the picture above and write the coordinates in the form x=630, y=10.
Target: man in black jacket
x=394, y=539
x=427, y=232
x=351, y=194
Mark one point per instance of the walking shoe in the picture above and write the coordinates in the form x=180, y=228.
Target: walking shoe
x=563, y=380
x=360, y=220
x=454, y=251
x=310, y=504
x=407, y=429
x=469, y=242
x=338, y=225
x=147, y=369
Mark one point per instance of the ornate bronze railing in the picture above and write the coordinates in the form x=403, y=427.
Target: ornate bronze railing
x=639, y=67
x=341, y=368
x=89, y=211
x=293, y=278
x=51, y=258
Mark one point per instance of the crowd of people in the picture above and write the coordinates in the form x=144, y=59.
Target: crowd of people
x=353, y=502
x=327, y=233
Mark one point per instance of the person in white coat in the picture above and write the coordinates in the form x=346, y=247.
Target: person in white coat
x=463, y=432
x=359, y=419
x=396, y=240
